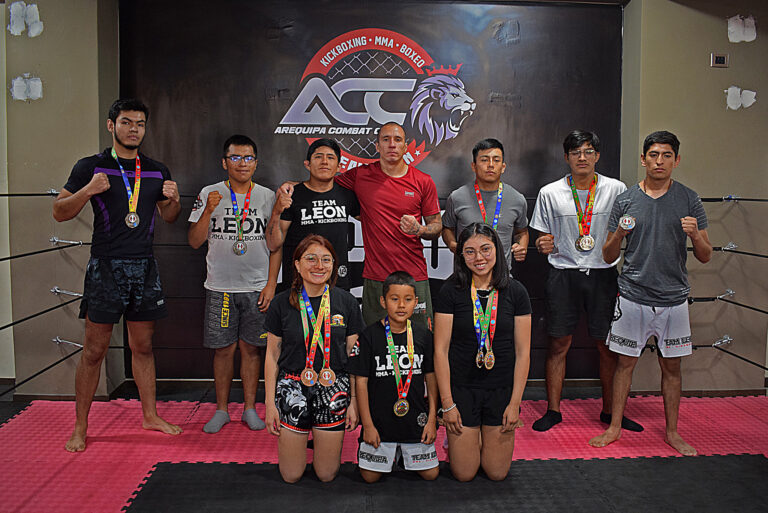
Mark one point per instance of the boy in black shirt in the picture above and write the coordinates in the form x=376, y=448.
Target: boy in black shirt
x=394, y=412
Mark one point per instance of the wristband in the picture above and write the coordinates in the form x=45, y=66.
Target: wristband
x=446, y=410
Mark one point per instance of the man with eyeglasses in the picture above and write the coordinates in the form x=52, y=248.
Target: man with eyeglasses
x=317, y=205
x=571, y=216
x=657, y=217
x=488, y=200
x=232, y=216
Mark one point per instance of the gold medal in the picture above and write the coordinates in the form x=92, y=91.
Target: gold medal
x=309, y=377
x=240, y=247
x=479, y=359
x=401, y=407
x=327, y=377
x=490, y=360
x=132, y=220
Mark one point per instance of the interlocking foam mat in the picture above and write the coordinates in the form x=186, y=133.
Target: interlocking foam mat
x=696, y=485
x=40, y=475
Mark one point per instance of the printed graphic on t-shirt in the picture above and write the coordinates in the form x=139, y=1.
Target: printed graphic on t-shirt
x=225, y=227
x=323, y=211
x=384, y=366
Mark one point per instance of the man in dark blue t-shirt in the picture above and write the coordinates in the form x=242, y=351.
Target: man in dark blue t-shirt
x=124, y=187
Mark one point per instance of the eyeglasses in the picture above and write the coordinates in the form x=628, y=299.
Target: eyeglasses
x=313, y=259
x=485, y=250
x=587, y=153
x=237, y=158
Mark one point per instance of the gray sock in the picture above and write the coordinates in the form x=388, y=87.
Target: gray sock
x=217, y=422
x=251, y=418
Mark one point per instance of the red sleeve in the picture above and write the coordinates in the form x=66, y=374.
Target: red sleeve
x=430, y=204
x=347, y=178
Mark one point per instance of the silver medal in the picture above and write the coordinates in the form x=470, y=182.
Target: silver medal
x=586, y=243
x=627, y=223
x=240, y=247
x=132, y=220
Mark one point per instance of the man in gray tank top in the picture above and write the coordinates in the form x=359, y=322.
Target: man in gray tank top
x=657, y=217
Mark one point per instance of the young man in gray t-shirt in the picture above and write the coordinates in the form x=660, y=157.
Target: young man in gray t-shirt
x=232, y=217
x=488, y=200
x=657, y=217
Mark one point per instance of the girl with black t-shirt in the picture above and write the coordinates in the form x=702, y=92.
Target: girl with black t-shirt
x=482, y=354
x=311, y=328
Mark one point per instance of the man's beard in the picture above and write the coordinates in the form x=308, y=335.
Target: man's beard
x=127, y=146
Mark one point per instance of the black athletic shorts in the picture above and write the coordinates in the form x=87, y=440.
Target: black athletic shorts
x=481, y=406
x=122, y=286
x=571, y=292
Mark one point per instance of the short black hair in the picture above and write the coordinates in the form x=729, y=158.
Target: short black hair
x=500, y=273
x=487, y=144
x=398, y=278
x=126, y=104
x=238, y=140
x=577, y=138
x=330, y=143
x=662, y=137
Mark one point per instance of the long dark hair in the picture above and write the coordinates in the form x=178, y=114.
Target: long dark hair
x=298, y=282
x=500, y=273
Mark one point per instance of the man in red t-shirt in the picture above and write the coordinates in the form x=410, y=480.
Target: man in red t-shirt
x=394, y=198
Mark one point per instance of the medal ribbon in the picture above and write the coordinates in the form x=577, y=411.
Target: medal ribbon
x=481, y=204
x=402, y=386
x=485, y=322
x=323, y=321
x=133, y=197
x=585, y=217
x=241, y=219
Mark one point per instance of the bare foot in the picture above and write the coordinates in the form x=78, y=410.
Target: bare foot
x=158, y=424
x=76, y=442
x=676, y=441
x=609, y=436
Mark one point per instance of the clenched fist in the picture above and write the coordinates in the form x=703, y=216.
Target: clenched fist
x=214, y=197
x=98, y=184
x=545, y=244
x=171, y=190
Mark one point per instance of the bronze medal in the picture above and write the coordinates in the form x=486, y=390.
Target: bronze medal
x=132, y=220
x=586, y=243
x=401, y=407
x=490, y=360
x=309, y=377
x=240, y=247
x=479, y=360
x=327, y=378
x=627, y=222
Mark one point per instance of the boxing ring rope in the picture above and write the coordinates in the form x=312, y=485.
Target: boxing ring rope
x=731, y=197
x=731, y=248
x=49, y=192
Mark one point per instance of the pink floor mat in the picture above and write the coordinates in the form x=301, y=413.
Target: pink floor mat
x=41, y=476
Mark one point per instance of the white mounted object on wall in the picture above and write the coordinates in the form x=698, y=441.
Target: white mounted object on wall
x=737, y=98
x=24, y=17
x=26, y=88
x=741, y=29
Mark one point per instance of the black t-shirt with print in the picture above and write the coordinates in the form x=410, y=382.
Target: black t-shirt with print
x=111, y=236
x=283, y=320
x=513, y=301
x=370, y=358
x=321, y=213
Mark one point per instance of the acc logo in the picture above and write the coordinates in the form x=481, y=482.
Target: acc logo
x=365, y=78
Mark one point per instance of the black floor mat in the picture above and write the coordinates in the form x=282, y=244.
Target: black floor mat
x=700, y=484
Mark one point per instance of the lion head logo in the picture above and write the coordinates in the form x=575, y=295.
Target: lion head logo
x=439, y=107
